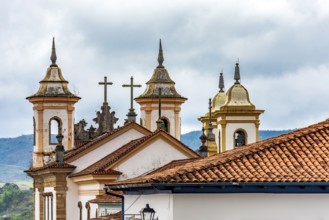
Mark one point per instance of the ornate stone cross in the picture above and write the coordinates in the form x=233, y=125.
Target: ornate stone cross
x=131, y=85
x=105, y=83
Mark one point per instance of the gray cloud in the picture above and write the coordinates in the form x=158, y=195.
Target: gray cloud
x=282, y=46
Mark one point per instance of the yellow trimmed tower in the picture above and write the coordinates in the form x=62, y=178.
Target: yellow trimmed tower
x=170, y=101
x=218, y=100
x=53, y=114
x=237, y=119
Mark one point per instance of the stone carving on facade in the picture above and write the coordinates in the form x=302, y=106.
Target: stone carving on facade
x=105, y=119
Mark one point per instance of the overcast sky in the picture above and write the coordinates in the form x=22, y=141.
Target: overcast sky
x=282, y=45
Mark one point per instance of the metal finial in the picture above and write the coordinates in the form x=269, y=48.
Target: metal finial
x=221, y=82
x=160, y=56
x=237, y=73
x=211, y=135
x=53, y=56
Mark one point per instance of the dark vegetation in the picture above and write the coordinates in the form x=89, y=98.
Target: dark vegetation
x=15, y=204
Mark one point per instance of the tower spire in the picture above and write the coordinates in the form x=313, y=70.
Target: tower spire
x=237, y=73
x=221, y=82
x=53, y=56
x=160, y=56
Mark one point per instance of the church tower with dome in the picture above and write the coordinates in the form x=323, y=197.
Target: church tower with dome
x=161, y=102
x=235, y=118
x=53, y=114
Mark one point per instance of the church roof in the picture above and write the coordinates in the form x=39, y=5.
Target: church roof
x=83, y=147
x=106, y=199
x=103, y=165
x=298, y=156
x=52, y=165
x=160, y=79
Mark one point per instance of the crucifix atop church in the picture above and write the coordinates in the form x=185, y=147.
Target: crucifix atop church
x=105, y=83
x=131, y=114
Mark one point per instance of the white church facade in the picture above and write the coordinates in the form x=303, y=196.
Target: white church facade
x=70, y=172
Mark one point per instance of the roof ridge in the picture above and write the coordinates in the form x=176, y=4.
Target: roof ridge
x=231, y=155
x=98, y=139
x=272, y=143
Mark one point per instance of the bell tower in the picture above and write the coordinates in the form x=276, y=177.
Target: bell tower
x=53, y=113
x=162, y=85
x=237, y=119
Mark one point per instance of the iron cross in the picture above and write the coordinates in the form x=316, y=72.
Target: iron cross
x=131, y=85
x=105, y=83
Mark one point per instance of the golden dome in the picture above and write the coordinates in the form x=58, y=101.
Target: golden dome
x=238, y=96
x=218, y=100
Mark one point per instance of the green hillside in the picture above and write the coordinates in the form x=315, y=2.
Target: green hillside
x=16, y=157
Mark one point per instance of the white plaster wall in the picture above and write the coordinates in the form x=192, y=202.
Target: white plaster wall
x=72, y=199
x=161, y=203
x=36, y=205
x=100, y=152
x=153, y=156
x=250, y=206
x=232, y=127
x=47, y=115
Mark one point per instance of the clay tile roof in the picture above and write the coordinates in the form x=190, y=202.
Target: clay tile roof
x=80, y=143
x=100, y=166
x=84, y=146
x=107, y=199
x=299, y=156
x=52, y=165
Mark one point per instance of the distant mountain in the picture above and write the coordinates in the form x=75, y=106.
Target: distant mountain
x=16, y=156
x=16, y=153
x=192, y=140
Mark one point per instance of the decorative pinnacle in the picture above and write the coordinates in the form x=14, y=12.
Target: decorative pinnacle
x=211, y=136
x=160, y=56
x=53, y=56
x=237, y=73
x=221, y=82
x=203, y=149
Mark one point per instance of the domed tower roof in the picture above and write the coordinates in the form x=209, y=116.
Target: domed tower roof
x=237, y=95
x=160, y=79
x=53, y=84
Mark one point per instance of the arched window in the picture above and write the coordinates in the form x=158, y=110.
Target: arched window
x=240, y=138
x=54, y=126
x=166, y=125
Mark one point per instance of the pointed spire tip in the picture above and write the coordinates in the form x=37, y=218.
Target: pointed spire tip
x=160, y=56
x=53, y=56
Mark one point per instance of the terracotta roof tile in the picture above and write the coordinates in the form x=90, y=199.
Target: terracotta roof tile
x=101, y=165
x=107, y=199
x=299, y=156
x=83, y=146
x=52, y=165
